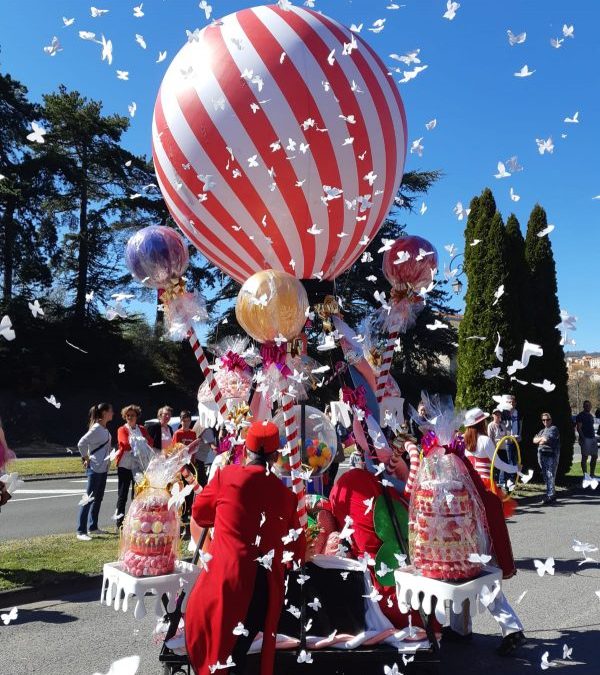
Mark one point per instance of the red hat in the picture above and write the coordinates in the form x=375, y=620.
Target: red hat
x=262, y=438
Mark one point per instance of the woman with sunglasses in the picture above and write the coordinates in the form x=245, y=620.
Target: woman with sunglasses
x=548, y=442
x=126, y=462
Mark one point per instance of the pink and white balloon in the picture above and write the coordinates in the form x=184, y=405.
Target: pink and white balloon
x=275, y=133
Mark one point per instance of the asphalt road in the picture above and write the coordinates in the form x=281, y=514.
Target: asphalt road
x=51, y=507
x=78, y=636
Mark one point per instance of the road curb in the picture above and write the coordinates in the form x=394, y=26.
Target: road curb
x=28, y=594
x=59, y=476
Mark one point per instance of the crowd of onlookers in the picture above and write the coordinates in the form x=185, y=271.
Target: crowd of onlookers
x=95, y=448
x=487, y=442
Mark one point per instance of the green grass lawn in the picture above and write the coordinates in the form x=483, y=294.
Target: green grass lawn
x=59, y=557
x=40, y=561
x=46, y=466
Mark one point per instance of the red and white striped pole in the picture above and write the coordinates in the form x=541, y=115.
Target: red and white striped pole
x=386, y=364
x=415, y=459
x=207, y=372
x=291, y=434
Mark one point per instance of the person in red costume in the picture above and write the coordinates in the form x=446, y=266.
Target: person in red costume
x=252, y=512
x=348, y=498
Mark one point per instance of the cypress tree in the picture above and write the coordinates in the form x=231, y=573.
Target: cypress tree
x=545, y=314
x=494, y=310
x=473, y=353
x=517, y=314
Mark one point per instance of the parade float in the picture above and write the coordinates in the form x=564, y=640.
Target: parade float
x=250, y=155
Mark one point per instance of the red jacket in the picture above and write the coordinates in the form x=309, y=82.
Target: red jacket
x=234, y=502
x=123, y=440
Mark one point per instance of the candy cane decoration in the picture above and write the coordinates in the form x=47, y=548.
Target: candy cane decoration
x=207, y=372
x=415, y=459
x=291, y=434
x=386, y=364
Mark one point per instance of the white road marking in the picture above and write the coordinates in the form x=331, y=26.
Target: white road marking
x=84, y=480
x=55, y=491
x=29, y=499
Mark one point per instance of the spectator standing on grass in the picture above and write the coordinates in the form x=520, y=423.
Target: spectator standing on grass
x=94, y=447
x=160, y=432
x=6, y=454
x=548, y=442
x=127, y=464
x=587, y=439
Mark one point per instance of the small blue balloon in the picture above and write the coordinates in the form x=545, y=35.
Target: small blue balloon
x=155, y=255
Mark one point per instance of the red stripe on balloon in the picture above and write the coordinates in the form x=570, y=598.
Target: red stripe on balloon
x=202, y=126
x=261, y=133
x=394, y=89
x=303, y=105
x=385, y=121
x=349, y=104
x=224, y=264
x=212, y=205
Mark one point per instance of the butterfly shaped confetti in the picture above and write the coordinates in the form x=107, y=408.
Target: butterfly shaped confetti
x=127, y=666
x=10, y=616
x=546, y=567
x=6, y=329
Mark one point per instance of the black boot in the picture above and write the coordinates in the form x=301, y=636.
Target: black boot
x=511, y=643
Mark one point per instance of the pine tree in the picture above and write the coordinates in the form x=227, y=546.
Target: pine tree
x=545, y=313
x=27, y=234
x=96, y=180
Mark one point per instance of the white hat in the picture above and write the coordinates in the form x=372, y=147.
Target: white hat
x=474, y=416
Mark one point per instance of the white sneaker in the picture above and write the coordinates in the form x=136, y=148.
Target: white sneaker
x=97, y=532
x=84, y=537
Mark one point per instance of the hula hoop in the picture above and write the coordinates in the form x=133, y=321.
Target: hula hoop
x=498, y=445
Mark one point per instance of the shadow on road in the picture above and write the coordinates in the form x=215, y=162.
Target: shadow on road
x=479, y=655
x=44, y=616
x=561, y=567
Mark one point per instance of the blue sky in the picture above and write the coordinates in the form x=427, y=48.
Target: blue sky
x=484, y=114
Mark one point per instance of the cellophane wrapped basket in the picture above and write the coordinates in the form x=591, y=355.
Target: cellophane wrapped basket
x=150, y=535
x=447, y=524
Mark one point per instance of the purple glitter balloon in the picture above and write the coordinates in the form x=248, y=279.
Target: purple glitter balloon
x=155, y=255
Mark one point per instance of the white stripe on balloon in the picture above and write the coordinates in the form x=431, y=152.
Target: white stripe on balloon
x=314, y=73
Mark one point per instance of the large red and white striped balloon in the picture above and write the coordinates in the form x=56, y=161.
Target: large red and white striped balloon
x=279, y=142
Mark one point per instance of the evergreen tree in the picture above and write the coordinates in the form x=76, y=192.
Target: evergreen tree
x=545, y=312
x=473, y=353
x=98, y=183
x=27, y=234
x=517, y=312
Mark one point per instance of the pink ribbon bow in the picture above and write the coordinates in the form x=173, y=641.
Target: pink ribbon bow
x=233, y=361
x=275, y=355
x=356, y=398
